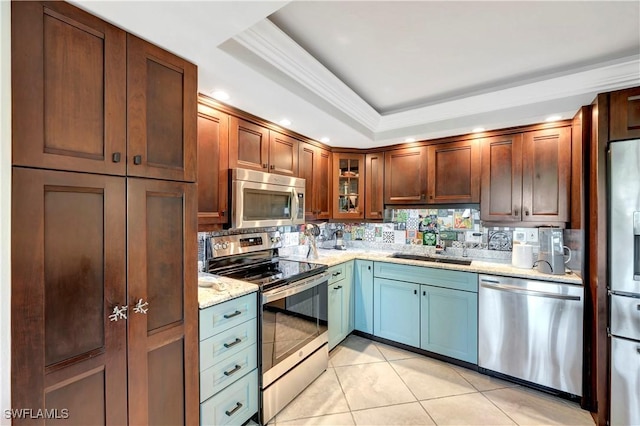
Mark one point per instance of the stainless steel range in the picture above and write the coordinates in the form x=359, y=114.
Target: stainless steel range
x=293, y=318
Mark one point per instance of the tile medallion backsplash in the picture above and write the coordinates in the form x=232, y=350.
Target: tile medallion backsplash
x=457, y=231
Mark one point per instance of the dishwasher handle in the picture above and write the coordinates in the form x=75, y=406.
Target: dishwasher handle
x=518, y=290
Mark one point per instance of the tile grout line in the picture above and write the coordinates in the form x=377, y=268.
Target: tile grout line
x=495, y=405
x=414, y=395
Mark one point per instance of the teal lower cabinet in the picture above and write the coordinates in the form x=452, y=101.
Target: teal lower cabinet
x=340, y=295
x=396, y=311
x=229, y=361
x=449, y=322
x=363, y=296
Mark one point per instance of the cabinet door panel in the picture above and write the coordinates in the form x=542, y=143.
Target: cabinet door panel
x=625, y=114
x=68, y=273
x=166, y=379
x=396, y=311
x=162, y=248
x=336, y=311
x=374, y=186
x=454, y=172
x=363, y=296
x=449, y=323
x=283, y=154
x=501, y=178
x=213, y=165
x=248, y=145
x=308, y=162
x=161, y=113
x=546, y=175
x=69, y=92
x=405, y=176
x=323, y=184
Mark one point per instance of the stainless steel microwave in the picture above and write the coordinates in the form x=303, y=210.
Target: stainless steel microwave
x=261, y=199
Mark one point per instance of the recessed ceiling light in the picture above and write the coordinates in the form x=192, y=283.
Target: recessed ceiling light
x=220, y=95
x=410, y=140
x=325, y=140
x=553, y=118
x=285, y=122
x=478, y=130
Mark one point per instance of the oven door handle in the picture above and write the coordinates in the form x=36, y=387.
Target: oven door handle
x=294, y=288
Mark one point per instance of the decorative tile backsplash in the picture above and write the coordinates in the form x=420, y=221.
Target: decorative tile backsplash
x=456, y=230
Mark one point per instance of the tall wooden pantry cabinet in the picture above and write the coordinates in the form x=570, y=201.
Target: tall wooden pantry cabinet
x=104, y=293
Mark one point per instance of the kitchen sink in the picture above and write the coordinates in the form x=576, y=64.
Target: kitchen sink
x=466, y=262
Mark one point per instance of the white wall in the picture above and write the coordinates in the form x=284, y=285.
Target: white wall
x=5, y=209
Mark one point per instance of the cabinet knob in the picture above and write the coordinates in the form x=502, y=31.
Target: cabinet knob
x=116, y=157
x=118, y=313
x=137, y=160
x=272, y=167
x=264, y=166
x=422, y=196
x=415, y=291
x=369, y=267
x=424, y=293
x=141, y=307
x=431, y=197
x=526, y=212
x=515, y=212
x=223, y=212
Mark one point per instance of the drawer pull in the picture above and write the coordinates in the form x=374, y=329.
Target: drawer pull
x=235, y=342
x=235, y=314
x=236, y=408
x=335, y=274
x=638, y=349
x=337, y=287
x=235, y=370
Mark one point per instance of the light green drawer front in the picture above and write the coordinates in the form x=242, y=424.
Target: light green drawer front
x=457, y=280
x=234, y=405
x=218, y=318
x=337, y=273
x=228, y=343
x=222, y=374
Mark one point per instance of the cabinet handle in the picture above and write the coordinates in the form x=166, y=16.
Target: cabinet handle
x=638, y=349
x=369, y=268
x=424, y=293
x=235, y=342
x=272, y=167
x=431, y=197
x=415, y=291
x=422, y=196
x=335, y=274
x=235, y=314
x=264, y=165
x=237, y=407
x=115, y=157
x=118, y=313
x=235, y=370
x=222, y=213
x=137, y=160
x=526, y=212
x=338, y=287
x=515, y=212
x=141, y=307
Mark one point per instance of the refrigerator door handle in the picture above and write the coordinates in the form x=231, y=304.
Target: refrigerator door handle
x=636, y=246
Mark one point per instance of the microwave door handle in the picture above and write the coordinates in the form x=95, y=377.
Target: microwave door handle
x=636, y=246
x=294, y=213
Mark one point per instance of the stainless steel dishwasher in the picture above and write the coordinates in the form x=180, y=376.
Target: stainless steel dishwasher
x=532, y=330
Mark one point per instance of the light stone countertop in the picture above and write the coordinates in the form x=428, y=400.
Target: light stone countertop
x=219, y=289
x=334, y=257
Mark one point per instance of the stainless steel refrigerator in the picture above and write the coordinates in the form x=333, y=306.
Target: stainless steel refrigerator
x=624, y=267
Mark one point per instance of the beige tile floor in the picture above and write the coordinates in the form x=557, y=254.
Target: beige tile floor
x=369, y=383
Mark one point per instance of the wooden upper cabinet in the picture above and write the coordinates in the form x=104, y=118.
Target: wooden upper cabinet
x=546, y=175
x=348, y=186
x=374, y=186
x=161, y=113
x=213, y=167
x=68, y=274
x=163, y=302
x=405, y=176
x=315, y=169
x=501, y=176
x=248, y=145
x=283, y=154
x=68, y=89
x=624, y=114
x=453, y=172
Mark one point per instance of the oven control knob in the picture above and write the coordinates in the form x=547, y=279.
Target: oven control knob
x=225, y=244
x=216, y=246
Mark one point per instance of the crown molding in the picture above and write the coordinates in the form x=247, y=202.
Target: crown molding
x=271, y=44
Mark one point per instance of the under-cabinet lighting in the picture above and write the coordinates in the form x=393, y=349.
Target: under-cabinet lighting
x=553, y=118
x=478, y=130
x=410, y=140
x=285, y=122
x=220, y=95
x=325, y=140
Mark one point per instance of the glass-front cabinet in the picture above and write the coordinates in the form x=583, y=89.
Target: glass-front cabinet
x=348, y=190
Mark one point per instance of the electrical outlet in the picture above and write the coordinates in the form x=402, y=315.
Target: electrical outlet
x=532, y=235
